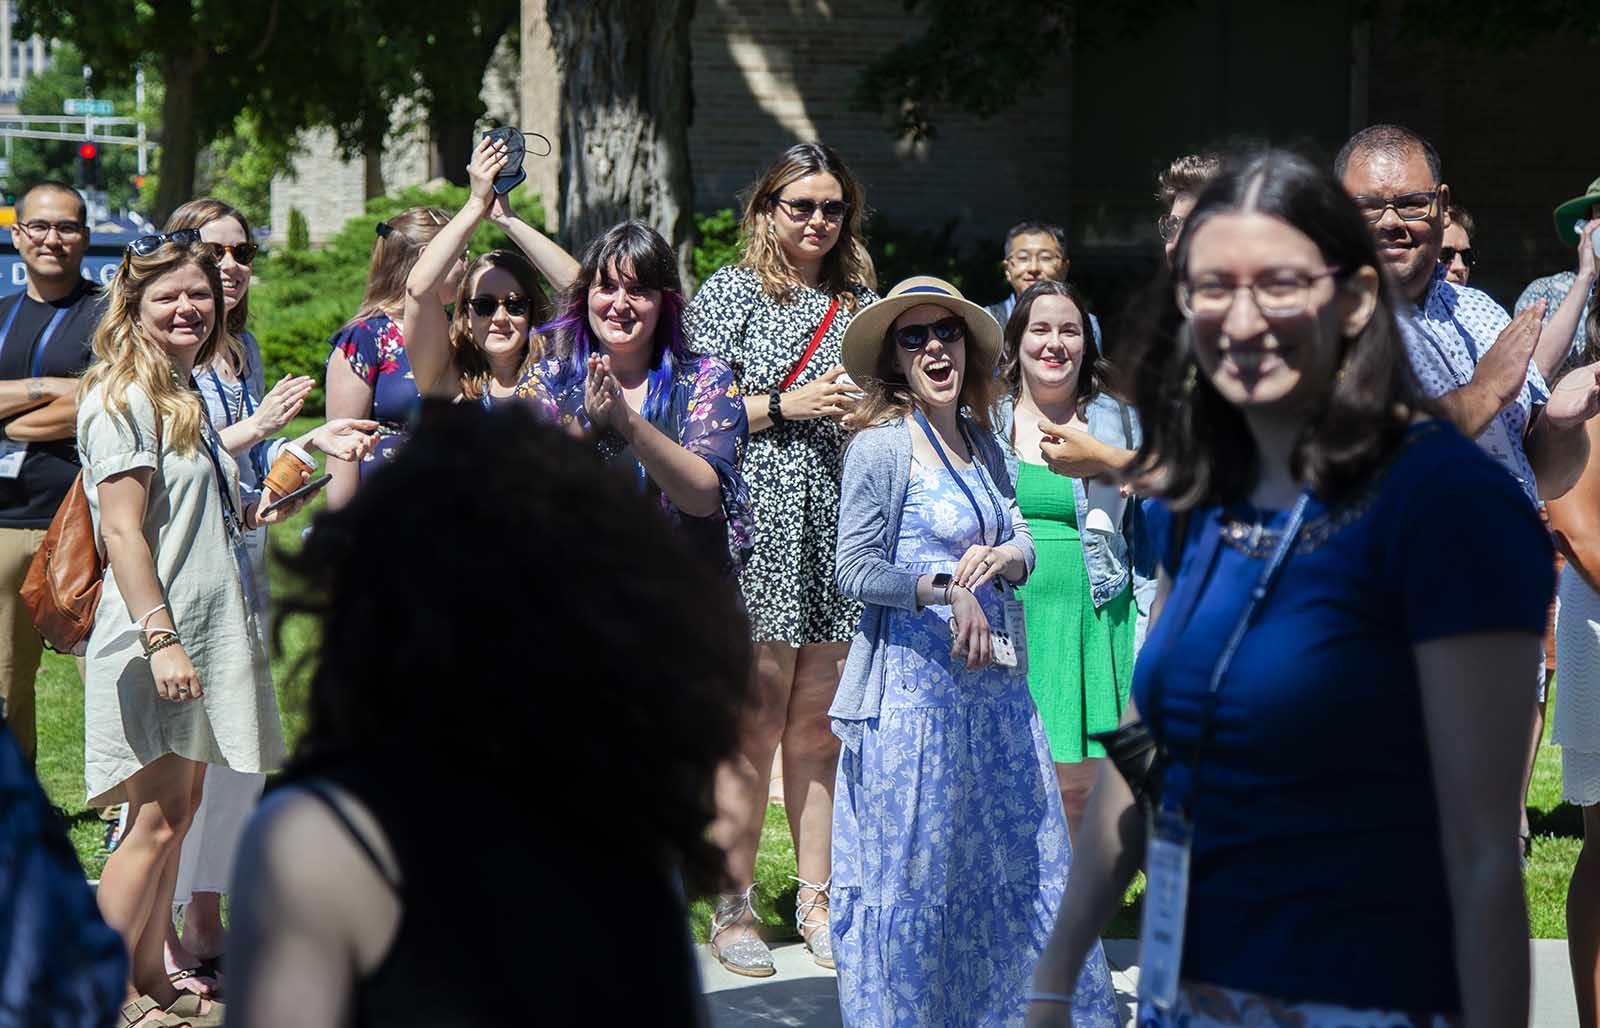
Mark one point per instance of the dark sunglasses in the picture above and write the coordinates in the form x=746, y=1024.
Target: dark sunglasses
x=484, y=306
x=243, y=253
x=144, y=246
x=802, y=210
x=1448, y=254
x=914, y=337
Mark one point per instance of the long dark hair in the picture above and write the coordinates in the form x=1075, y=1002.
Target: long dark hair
x=655, y=266
x=1197, y=448
x=513, y=679
x=1094, y=372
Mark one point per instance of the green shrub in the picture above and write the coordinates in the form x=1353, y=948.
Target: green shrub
x=300, y=298
x=717, y=243
x=299, y=231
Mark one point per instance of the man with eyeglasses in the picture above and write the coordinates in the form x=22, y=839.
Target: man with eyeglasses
x=1486, y=369
x=45, y=333
x=1035, y=251
x=1456, y=254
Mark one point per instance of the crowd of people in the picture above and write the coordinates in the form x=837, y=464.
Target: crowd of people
x=1250, y=597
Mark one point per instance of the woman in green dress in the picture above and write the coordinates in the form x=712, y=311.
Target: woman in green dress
x=1079, y=601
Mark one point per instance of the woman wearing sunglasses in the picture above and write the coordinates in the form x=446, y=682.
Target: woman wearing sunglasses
x=176, y=673
x=623, y=376
x=950, y=851
x=245, y=416
x=488, y=346
x=777, y=317
x=1347, y=589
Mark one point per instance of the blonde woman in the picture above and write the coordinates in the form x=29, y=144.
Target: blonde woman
x=488, y=345
x=176, y=675
x=778, y=318
x=369, y=375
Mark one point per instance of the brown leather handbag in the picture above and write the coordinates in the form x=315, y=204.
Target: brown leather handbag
x=62, y=588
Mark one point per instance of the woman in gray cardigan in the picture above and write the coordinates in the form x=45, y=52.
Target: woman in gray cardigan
x=950, y=852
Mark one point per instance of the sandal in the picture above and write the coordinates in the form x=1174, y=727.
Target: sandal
x=816, y=934
x=210, y=982
x=747, y=956
x=136, y=1012
x=188, y=1010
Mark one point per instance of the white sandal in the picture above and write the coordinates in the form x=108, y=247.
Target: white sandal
x=819, y=940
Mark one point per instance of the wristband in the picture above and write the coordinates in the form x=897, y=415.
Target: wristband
x=152, y=648
x=775, y=408
x=943, y=583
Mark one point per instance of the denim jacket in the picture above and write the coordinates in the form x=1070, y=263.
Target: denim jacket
x=1105, y=554
x=877, y=470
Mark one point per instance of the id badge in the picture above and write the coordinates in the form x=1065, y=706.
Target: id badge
x=1015, y=634
x=12, y=453
x=1166, y=904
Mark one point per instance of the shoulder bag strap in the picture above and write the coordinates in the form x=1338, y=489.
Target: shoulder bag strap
x=811, y=347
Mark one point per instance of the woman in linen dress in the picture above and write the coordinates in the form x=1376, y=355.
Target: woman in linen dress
x=804, y=263
x=176, y=674
x=950, y=851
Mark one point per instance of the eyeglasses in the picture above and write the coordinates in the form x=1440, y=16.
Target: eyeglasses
x=485, y=306
x=1448, y=254
x=144, y=246
x=1022, y=258
x=802, y=210
x=38, y=231
x=1406, y=206
x=243, y=253
x=912, y=338
x=1169, y=225
x=1285, y=293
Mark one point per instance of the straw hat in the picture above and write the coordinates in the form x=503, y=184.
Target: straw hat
x=1570, y=212
x=864, y=339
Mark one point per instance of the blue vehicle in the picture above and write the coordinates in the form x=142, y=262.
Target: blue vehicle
x=106, y=242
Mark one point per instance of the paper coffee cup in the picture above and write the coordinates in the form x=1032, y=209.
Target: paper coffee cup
x=284, y=477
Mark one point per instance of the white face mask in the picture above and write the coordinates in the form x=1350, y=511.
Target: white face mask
x=1594, y=241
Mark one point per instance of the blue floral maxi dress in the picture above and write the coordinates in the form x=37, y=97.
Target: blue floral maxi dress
x=950, y=849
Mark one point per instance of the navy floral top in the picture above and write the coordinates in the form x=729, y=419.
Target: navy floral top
x=376, y=352
x=705, y=414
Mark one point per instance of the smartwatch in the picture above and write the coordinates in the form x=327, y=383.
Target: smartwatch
x=775, y=407
x=941, y=586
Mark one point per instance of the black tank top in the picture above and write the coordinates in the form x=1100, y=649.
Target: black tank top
x=508, y=918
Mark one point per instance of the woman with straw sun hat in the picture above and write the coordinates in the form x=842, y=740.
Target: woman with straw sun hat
x=944, y=764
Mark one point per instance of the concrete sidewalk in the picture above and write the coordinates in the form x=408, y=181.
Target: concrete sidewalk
x=803, y=995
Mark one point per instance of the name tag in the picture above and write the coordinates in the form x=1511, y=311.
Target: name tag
x=1011, y=643
x=11, y=455
x=1166, y=904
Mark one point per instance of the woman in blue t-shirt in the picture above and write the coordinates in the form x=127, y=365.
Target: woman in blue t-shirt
x=1348, y=585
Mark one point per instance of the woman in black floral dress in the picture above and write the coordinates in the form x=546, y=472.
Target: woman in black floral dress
x=804, y=264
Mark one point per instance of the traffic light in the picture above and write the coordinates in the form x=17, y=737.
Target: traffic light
x=88, y=164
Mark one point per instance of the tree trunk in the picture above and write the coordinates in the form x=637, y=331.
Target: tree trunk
x=179, y=147
x=625, y=107
x=372, y=165
x=453, y=139
x=454, y=111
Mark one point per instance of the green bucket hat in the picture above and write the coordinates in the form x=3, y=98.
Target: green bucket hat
x=1569, y=213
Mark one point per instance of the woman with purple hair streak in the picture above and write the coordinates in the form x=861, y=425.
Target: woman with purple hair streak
x=623, y=375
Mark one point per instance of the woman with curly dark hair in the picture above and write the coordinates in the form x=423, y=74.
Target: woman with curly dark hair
x=642, y=656
x=1347, y=587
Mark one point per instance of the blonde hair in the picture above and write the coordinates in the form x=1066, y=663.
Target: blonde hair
x=197, y=214
x=845, y=267
x=470, y=358
x=125, y=357
x=400, y=242
x=886, y=395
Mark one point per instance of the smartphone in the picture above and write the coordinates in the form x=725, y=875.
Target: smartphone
x=308, y=489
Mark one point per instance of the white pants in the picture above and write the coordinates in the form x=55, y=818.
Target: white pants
x=1576, y=727
x=226, y=803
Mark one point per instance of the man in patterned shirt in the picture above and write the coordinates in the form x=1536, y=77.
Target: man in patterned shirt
x=1466, y=351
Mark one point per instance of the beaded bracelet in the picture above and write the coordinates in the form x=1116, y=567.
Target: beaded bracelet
x=152, y=648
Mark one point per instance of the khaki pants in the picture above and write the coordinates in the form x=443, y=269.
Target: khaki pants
x=20, y=645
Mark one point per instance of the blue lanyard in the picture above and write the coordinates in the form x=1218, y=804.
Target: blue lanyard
x=999, y=515
x=36, y=358
x=249, y=408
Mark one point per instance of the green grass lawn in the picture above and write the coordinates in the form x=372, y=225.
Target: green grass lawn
x=1557, y=826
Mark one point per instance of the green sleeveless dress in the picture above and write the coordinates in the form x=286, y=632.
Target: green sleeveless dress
x=1080, y=660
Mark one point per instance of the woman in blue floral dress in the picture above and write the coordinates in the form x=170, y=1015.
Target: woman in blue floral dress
x=950, y=849
x=623, y=374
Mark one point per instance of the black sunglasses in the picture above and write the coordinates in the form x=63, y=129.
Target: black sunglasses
x=144, y=246
x=243, y=253
x=484, y=306
x=1447, y=254
x=802, y=210
x=912, y=338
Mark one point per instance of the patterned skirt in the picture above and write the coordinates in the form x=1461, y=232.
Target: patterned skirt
x=1210, y=1006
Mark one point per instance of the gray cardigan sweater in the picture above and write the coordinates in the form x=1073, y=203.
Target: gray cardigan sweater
x=877, y=468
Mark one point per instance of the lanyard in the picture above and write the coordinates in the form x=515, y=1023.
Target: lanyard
x=36, y=357
x=1269, y=575
x=999, y=516
x=247, y=407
